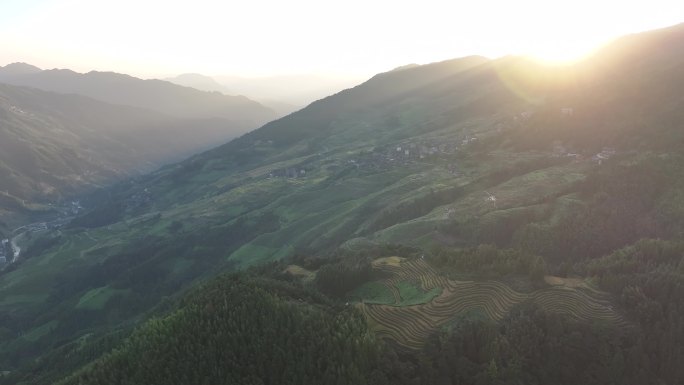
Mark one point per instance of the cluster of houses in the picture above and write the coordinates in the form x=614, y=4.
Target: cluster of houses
x=565, y=112
x=412, y=151
x=605, y=154
x=525, y=115
x=560, y=150
x=74, y=207
x=138, y=199
x=289, y=172
x=18, y=110
x=391, y=156
x=8, y=252
x=407, y=152
x=36, y=227
x=68, y=209
x=263, y=142
x=5, y=251
x=453, y=169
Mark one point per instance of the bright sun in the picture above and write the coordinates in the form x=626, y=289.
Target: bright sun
x=350, y=37
x=559, y=46
x=561, y=54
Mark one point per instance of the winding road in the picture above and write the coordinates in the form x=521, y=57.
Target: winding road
x=34, y=227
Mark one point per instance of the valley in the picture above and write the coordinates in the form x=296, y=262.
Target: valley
x=56, y=147
x=51, y=223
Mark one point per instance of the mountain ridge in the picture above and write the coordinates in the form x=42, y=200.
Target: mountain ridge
x=200, y=82
x=157, y=95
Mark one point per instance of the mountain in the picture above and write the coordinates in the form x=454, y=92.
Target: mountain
x=55, y=146
x=492, y=221
x=283, y=94
x=281, y=108
x=298, y=90
x=18, y=69
x=156, y=95
x=200, y=82
x=207, y=83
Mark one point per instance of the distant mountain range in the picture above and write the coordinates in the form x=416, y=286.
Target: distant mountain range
x=209, y=84
x=200, y=82
x=63, y=133
x=294, y=89
x=156, y=95
x=284, y=94
x=54, y=146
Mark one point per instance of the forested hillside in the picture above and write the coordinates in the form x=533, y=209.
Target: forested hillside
x=243, y=331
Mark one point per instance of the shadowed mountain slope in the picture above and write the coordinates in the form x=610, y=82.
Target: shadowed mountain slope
x=54, y=146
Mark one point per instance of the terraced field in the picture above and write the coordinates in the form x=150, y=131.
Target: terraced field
x=410, y=326
x=300, y=272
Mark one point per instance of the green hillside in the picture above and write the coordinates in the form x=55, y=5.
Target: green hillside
x=538, y=209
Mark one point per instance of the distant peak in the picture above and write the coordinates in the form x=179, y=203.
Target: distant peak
x=193, y=75
x=20, y=68
x=445, y=66
x=405, y=67
x=199, y=82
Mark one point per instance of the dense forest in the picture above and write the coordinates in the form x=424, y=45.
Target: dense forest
x=237, y=330
x=252, y=329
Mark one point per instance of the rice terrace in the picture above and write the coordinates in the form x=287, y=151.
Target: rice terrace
x=416, y=301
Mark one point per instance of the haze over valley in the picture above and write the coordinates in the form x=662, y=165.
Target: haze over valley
x=284, y=94
x=65, y=133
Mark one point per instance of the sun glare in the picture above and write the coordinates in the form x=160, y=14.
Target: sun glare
x=243, y=37
x=561, y=54
x=561, y=48
x=560, y=45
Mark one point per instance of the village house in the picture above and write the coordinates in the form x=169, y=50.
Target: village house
x=605, y=154
x=4, y=251
x=559, y=149
x=525, y=115
x=468, y=140
x=291, y=172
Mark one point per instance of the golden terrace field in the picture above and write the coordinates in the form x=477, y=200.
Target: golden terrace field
x=410, y=325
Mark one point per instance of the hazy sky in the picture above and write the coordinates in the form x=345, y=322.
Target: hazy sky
x=265, y=37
